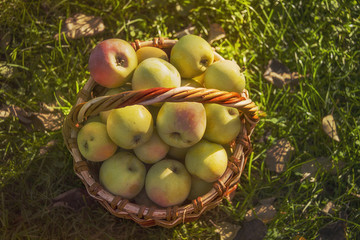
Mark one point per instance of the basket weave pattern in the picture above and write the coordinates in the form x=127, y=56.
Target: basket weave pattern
x=88, y=105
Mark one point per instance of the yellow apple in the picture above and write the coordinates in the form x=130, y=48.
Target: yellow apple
x=178, y=153
x=181, y=124
x=123, y=174
x=94, y=143
x=190, y=83
x=168, y=183
x=191, y=55
x=206, y=160
x=130, y=126
x=224, y=75
x=199, y=79
x=153, y=150
x=155, y=72
x=199, y=187
x=104, y=114
x=148, y=52
x=112, y=62
x=222, y=123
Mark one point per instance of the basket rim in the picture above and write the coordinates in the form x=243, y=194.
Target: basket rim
x=150, y=216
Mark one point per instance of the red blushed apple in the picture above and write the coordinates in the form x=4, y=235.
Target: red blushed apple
x=112, y=62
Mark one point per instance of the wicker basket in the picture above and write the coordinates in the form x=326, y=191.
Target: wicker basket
x=88, y=104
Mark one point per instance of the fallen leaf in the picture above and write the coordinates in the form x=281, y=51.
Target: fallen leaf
x=226, y=230
x=81, y=25
x=278, y=156
x=280, y=75
x=267, y=201
x=264, y=212
x=333, y=231
x=186, y=31
x=252, y=230
x=216, y=32
x=73, y=199
x=329, y=127
x=309, y=169
x=37, y=121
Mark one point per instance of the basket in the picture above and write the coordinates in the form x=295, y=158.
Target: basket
x=88, y=105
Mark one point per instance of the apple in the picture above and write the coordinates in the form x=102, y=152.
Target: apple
x=112, y=62
x=155, y=72
x=154, y=110
x=123, y=174
x=104, y=114
x=168, y=183
x=222, y=123
x=191, y=56
x=130, y=126
x=143, y=199
x=199, y=187
x=224, y=75
x=206, y=160
x=153, y=150
x=181, y=124
x=148, y=52
x=93, y=119
x=178, y=153
x=190, y=83
x=94, y=143
x=199, y=79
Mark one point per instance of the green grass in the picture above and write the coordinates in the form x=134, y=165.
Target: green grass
x=318, y=39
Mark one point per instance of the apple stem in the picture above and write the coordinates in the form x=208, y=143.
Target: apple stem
x=120, y=61
x=137, y=138
x=204, y=62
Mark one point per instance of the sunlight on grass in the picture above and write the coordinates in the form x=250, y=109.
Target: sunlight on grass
x=317, y=39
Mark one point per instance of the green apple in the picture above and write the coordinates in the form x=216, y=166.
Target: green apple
x=224, y=75
x=155, y=72
x=199, y=187
x=168, y=183
x=94, y=142
x=130, y=126
x=181, y=124
x=178, y=153
x=112, y=62
x=149, y=52
x=206, y=160
x=222, y=123
x=123, y=174
x=191, y=56
x=190, y=83
x=93, y=119
x=104, y=114
x=153, y=150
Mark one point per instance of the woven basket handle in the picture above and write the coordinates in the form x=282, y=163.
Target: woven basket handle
x=83, y=110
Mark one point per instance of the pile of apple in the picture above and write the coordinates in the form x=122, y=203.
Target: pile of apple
x=165, y=153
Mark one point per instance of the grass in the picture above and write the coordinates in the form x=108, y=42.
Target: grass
x=318, y=39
